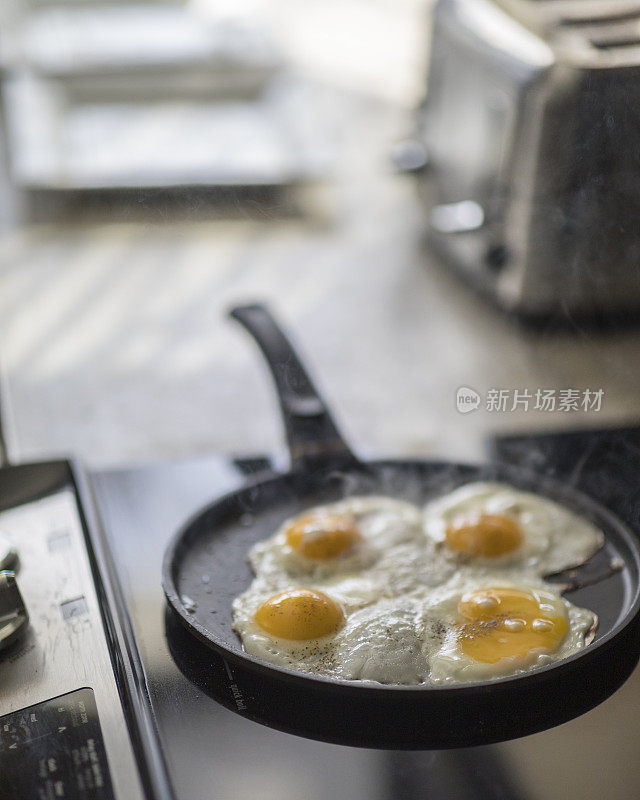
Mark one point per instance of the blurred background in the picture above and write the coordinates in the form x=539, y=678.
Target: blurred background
x=439, y=200
x=163, y=161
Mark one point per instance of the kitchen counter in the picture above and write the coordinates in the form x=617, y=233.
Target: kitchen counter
x=115, y=344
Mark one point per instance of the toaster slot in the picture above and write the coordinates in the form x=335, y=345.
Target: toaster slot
x=600, y=19
x=605, y=37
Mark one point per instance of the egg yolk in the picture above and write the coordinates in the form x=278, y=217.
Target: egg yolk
x=508, y=623
x=323, y=536
x=300, y=614
x=488, y=535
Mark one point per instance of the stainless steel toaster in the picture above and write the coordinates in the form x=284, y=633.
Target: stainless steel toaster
x=529, y=156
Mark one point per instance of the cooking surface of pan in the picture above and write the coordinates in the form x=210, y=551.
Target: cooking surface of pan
x=205, y=568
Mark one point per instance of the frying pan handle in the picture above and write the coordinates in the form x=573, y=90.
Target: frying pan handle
x=312, y=436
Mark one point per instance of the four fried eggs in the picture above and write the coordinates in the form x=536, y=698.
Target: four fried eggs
x=377, y=589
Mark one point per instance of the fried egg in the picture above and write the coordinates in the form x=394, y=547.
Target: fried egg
x=482, y=632
x=308, y=630
x=495, y=525
x=342, y=538
x=355, y=590
x=294, y=628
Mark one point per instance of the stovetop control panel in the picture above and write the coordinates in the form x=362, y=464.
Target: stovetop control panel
x=55, y=749
x=62, y=729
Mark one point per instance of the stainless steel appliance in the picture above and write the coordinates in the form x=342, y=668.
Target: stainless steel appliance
x=530, y=166
x=63, y=729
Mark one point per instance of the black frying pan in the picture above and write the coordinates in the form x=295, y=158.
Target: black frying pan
x=205, y=568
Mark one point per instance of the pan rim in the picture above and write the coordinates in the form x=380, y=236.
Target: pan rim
x=583, y=503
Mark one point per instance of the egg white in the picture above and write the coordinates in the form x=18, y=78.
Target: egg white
x=383, y=643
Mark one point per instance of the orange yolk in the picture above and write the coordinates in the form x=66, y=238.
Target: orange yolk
x=323, y=536
x=507, y=623
x=488, y=535
x=300, y=614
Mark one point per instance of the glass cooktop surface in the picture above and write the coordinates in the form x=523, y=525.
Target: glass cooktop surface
x=213, y=752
